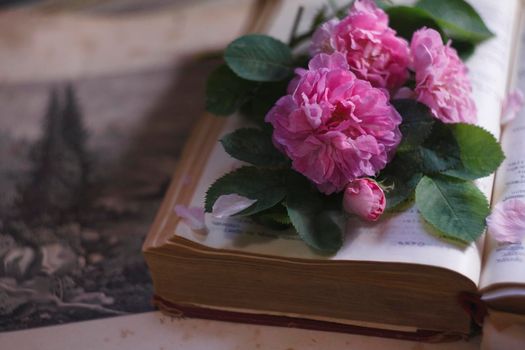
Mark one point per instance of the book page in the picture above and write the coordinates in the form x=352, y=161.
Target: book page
x=401, y=237
x=504, y=262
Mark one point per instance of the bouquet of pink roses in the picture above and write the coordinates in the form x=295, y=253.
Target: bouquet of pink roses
x=369, y=110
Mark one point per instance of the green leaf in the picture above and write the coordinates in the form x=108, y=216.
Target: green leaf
x=458, y=19
x=267, y=186
x=322, y=230
x=253, y=146
x=481, y=154
x=226, y=92
x=398, y=181
x=406, y=20
x=318, y=219
x=439, y=152
x=263, y=99
x=465, y=49
x=259, y=58
x=456, y=208
x=417, y=122
x=275, y=218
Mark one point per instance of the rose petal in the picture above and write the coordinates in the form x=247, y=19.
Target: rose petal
x=506, y=223
x=230, y=204
x=191, y=216
x=404, y=92
x=511, y=106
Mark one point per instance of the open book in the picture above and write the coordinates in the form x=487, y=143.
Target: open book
x=392, y=278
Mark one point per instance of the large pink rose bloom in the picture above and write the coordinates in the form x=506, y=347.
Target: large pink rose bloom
x=334, y=126
x=371, y=47
x=442, y=82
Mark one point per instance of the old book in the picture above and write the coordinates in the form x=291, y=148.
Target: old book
x=392, y=279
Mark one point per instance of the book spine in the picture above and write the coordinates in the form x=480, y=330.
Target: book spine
x=474, y=306
x=191, y=311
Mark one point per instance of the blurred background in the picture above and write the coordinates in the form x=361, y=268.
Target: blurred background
x=96, y=101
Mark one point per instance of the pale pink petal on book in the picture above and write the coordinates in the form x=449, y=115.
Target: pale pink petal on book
x=506, y=223
x=191, y=216
x=511, y=106
x=230, y=204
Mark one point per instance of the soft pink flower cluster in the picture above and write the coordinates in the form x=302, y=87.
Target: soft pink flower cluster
x=372, y=49
x=337, y=124
x=375, y=53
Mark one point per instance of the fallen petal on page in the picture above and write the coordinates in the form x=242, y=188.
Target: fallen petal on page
x=506, y=223
x=191, y=216
x=230, y=204
x=511, y=106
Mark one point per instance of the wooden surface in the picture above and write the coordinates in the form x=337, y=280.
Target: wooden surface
x=153, y=331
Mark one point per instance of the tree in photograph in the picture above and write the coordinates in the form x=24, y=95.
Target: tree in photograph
x=60, y=162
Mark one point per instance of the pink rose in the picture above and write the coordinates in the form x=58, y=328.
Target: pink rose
x=506, y=223
x=442, y=82
x=371, y=47
x=323, y=39
x=333, y=126
x=365, y=198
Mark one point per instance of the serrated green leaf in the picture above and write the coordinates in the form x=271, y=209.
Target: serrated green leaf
x=438, y=153
x=318, y=219
x=481, y=154
x=405, y=20
x=398, y=181
x=253, y=146
x=417, y=123
x=456, y=208
x=262, y=100
x=321, y=230
x=266, y=186
x=226, y=92
x=259, y=57
x=275, y=218
x=459, y=20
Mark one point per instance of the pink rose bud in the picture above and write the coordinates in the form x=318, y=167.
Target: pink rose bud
x=365, y=198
